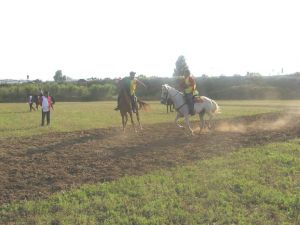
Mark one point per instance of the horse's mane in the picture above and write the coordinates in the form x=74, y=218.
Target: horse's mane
x=168, y=87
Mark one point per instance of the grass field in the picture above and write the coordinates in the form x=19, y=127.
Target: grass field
x=16, y=120
x=252, y=186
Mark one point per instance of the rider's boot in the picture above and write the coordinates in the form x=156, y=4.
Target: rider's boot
x=133, y=109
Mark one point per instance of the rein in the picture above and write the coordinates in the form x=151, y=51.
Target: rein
x=180, y=107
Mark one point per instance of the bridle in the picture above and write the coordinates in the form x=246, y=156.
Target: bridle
x=167, y=96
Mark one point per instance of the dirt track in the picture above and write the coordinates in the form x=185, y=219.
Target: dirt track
x=34, y=167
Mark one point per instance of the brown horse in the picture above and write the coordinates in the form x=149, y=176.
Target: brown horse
x=126, y=108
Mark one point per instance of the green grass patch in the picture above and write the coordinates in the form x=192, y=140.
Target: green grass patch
x=251, y=186
x=16, y=120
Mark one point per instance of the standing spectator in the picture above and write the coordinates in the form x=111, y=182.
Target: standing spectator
x=46, y=103
x=30, y=102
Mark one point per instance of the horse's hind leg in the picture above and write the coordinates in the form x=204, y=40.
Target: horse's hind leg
x=202, y=121
x=138, y=119
x=132, y=122
x=210, y=124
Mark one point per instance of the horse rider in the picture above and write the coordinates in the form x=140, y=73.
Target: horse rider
x=189, y=90
x=129, y=84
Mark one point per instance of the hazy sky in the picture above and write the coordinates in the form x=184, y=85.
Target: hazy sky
x=86, y=38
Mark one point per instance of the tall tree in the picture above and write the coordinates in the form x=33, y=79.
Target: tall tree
x=181, y=66
x=58, y=77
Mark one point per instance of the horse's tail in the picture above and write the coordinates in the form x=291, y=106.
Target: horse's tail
x=216, y=108
x=143, y=105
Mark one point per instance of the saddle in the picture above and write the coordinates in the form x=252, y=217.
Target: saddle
x=198, y=99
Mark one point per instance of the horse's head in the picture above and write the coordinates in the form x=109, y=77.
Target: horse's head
x=164, y=94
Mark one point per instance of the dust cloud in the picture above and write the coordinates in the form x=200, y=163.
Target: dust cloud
x=262, y=124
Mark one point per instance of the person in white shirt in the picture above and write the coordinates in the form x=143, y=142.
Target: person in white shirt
x=46, y=103
x=30, y=102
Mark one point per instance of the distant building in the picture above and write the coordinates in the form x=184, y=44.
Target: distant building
x=81, y=81
x=11, y=81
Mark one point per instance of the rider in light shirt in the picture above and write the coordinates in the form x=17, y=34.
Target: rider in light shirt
x=189, y=89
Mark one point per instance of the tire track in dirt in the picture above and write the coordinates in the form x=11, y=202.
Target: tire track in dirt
x=35, y=167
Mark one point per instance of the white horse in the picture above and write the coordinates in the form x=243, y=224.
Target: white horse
x=205, y=105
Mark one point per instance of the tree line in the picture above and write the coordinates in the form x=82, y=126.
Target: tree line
x=222, y=87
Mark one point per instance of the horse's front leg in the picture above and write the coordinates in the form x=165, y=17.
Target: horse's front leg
x=176, y=121
x=123, y=122
x=187, y=121
x=126, y=119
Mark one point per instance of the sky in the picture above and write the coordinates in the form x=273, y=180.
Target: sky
x=95, y=38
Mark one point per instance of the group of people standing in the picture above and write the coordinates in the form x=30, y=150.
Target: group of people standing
x=45, y=101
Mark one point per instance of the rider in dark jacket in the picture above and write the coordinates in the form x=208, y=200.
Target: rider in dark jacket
x=130, y=84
